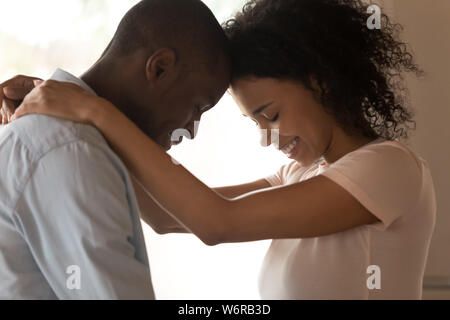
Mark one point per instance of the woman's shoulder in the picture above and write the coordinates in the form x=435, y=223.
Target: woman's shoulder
x=395, y=148
x=378, y=154
x=387, y=162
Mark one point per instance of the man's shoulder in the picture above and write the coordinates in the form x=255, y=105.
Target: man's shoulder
x=37, y=143
x=40, y=134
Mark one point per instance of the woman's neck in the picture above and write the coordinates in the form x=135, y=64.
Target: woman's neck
x=341, y=144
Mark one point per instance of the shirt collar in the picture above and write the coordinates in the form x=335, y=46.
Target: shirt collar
x=64, y=76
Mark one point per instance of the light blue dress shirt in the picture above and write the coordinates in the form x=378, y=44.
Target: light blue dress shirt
x=69, y=219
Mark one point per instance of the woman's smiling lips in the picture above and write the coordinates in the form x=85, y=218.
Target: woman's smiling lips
x=291, y=149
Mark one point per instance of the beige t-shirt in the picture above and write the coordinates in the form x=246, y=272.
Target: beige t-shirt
x=393, y=183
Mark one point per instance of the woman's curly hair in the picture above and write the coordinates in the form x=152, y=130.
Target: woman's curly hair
x=327, y=42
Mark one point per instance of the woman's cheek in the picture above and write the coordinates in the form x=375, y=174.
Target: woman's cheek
x=287, y=128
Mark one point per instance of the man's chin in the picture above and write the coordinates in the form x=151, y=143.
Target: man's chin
x=166, y=146
x=164, y=143
x=167, y=143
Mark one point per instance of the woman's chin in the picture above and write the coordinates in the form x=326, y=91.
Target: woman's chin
x=304, y=161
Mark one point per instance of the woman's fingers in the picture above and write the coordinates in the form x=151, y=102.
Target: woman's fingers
x=8, y=108
x=58, y=99
x=3, y=116
x=37, y=101
x=16, y=93
x=38, y=82
x=13, y=91
x=20, y=112
x=27, y=107
x=17, y=86
x=34, y=102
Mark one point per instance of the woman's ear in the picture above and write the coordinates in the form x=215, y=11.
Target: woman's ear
x=161, y=66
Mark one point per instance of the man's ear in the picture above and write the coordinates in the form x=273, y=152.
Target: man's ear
x=161, y=65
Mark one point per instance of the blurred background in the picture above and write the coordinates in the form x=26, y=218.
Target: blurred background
x=36, y=37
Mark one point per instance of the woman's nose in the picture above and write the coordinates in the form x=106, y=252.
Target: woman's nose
x=269, y=137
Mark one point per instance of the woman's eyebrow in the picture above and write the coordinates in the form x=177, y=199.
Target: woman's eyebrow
x=262, y=108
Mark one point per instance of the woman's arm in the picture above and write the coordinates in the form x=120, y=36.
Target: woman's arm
x=312, y=208
x=13, y=91
x=162, y=222
x=155, y=215
x=315, y=207
x=232, y=192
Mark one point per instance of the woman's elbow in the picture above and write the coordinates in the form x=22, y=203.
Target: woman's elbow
x=220, y=230
x=211, y=240
x=161, y=231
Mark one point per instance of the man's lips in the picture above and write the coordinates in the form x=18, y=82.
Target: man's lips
x=175, y=143
x=175, y=140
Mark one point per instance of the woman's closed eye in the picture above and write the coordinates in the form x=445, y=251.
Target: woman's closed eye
x=252, y=119
x=275, y=118
x=272, y=119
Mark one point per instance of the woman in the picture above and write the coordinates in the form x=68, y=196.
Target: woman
x=354, y=200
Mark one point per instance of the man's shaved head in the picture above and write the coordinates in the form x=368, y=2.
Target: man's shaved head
x=166, y=65
x=186, y=26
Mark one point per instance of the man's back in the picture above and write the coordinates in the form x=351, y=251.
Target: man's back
x=69, y=221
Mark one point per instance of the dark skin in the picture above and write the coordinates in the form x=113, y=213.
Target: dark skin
x=291, y=211
x=154, y=92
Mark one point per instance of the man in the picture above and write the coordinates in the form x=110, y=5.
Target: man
x=69, y=218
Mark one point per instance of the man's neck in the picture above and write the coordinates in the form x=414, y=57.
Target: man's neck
x=114, y=81
x=103, y=82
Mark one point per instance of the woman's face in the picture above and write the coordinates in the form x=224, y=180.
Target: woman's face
x=305, y=129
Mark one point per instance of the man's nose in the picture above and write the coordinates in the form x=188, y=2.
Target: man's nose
x=193, y=128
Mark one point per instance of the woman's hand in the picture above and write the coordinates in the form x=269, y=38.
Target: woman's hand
x=12, y=93
x=62, y=100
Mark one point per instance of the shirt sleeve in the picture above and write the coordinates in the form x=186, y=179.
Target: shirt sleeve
x=385, y=179
x=76, y=218
x=280, y=177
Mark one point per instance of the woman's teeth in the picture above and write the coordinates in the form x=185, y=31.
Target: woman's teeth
x=288, y=149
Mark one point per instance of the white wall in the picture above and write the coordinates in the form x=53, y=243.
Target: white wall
x=427, y=29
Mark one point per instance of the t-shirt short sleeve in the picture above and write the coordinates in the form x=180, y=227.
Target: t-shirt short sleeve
x=384, y=178
x=280, y=177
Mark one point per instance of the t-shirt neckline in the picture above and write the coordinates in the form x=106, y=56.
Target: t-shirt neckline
x=324, y=164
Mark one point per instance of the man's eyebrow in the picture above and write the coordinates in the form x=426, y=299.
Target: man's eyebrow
x=262, y=108
x=212, y=103
x=209, y=105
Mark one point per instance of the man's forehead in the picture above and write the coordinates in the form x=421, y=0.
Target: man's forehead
x=215, y=89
